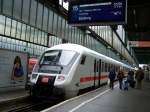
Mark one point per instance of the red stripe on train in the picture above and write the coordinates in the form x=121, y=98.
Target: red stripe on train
x=91, y=78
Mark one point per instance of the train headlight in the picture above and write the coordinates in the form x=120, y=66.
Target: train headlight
x=34, y=76
x=60, y=78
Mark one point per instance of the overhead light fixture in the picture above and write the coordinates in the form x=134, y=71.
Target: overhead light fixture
x=108, y=47
x=87, y=32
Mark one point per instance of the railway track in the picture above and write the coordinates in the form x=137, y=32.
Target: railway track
x=29, y=108
x=27, y=105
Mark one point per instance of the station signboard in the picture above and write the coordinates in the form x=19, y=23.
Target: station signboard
x=139, y=44
x=97, y=12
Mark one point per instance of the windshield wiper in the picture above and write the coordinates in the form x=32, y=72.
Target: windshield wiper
x=56, y=64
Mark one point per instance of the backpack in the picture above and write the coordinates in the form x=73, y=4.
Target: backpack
x=140, y=75
x=120, y=75
x=112, y=75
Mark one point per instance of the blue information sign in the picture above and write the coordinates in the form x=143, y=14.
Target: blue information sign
x=98, y=13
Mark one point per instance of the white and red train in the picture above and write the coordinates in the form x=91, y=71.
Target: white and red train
x=67, y=69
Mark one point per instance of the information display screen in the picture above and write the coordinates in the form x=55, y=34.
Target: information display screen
x=97, y=13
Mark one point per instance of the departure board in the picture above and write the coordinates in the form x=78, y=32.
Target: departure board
x=97, y=13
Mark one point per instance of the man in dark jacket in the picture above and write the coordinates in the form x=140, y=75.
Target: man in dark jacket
x=130, y=78
x=120, y=77
x=112, y=76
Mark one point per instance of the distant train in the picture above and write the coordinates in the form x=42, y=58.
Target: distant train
x=31, y=63
x=67, y=69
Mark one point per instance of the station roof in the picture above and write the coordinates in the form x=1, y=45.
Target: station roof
x=138, y=27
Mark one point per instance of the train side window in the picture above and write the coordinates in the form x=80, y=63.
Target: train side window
x=102, y=67
x=111, y=66
x=94, y=66
x=97, y=66
x=116, y=68
x=83, y=59
x=108, y=67
x=105, y=67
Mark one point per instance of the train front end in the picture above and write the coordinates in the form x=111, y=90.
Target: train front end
x=50, y=74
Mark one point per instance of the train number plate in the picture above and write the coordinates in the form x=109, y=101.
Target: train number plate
x=45, y=79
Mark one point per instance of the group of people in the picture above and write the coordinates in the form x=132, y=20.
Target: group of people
x=139, y=76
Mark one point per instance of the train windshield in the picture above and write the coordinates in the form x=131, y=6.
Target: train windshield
x=56, y=61
x=57, y=57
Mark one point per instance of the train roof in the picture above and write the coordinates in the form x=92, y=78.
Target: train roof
x=81, y=49
x=69, y=46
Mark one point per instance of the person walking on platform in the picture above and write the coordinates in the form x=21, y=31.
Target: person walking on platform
x=120, y=77
x=139, y=75
x=130, y=78
x=112, y=75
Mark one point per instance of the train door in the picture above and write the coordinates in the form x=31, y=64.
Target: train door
x=95, y=72
x=99, y=73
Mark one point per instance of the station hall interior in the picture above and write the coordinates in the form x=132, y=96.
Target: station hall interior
x=30, y=27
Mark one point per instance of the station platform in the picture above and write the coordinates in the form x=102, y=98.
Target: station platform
x=13, y=94
x=107, y=100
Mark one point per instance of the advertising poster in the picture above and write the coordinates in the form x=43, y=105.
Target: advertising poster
x=13, y=68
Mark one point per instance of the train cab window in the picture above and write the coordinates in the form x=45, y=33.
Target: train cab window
x=83, y=59
x=57, y=57
x=56, y=61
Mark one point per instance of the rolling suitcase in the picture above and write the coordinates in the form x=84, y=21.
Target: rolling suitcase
x=125, y=85
x=132, y=84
